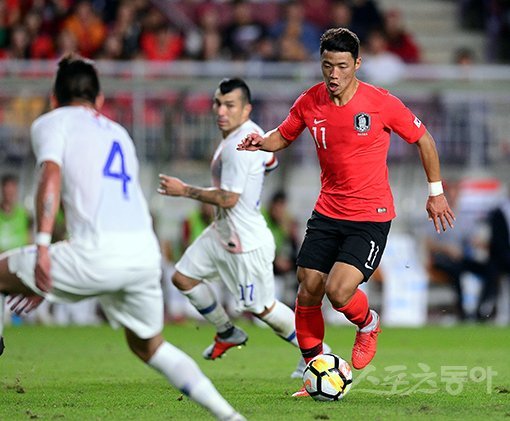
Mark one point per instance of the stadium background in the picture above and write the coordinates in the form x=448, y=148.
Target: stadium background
x=166, y=107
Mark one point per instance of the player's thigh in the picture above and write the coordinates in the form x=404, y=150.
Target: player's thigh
x=138, y=306
x=249, y=277
x=21, y=263
x=320, y=245
x=200, y=258
x=364, y=245
x=9, y=281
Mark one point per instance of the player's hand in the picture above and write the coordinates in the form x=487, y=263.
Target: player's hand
x=22, y=304
x=252, y=142
x=42, y=270
x=439, y=212
x=171, y=186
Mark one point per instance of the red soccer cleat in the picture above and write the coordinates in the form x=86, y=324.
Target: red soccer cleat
x=220, y=346
x=365, y=346
x=301, y=393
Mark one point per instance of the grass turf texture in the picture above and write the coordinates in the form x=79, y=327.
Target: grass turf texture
x=87, y=373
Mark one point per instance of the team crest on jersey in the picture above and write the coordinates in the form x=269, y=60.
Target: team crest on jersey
x=362, y=122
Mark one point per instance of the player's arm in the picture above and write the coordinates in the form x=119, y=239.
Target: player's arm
x=272, y=141
x=172, y=186
x=438, y=210
x=47, y=203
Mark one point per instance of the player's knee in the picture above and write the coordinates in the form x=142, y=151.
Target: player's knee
x=339, y=296
x=182, y=282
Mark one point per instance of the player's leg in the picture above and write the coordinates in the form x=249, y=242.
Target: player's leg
x=202, y=261
x=357, y=259
x=203, y=298
x=9, y=284
x=182, y=372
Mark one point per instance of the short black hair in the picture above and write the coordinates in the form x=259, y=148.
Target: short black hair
x=228, y=85
x=340, y=40
x=9, y=178
x=76, y=79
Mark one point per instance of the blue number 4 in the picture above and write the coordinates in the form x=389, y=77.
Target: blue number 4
x=120, y=175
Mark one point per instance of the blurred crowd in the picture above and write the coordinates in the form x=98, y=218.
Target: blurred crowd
x=197, y=30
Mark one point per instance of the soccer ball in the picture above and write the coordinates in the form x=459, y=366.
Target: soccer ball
x=327, y=377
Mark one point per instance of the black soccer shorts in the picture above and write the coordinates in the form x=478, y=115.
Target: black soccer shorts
x=328, y=240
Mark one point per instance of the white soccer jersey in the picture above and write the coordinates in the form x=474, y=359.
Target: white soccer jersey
x=106, y=213
x=241, y=228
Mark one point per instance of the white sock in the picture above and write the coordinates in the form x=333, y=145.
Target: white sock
x=281, y=320
x=182, y=372
x=371, y=326
x=204, y=299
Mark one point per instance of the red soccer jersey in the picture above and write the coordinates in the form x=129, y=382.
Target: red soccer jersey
x=352, y=143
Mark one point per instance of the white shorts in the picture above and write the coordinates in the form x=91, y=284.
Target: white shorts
x=131, y=298
x=248, y=276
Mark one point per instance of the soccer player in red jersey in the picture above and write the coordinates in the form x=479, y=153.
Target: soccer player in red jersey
x=350, y=122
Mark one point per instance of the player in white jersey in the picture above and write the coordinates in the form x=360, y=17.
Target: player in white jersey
x=90, y=163
x=237, y=247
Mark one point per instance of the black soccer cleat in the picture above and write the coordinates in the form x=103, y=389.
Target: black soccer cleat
x=2, y=346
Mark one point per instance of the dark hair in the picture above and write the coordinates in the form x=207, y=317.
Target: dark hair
x=76, y=79
x=9, y=178
x=228, y=85
x=340, y=40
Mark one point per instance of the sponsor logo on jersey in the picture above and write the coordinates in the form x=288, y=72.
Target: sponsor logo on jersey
x=362, y=122
x=315, y=121
x=417, y=122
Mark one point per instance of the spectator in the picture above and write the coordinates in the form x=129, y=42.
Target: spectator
x=41, y=43
x=127, y=28
x=19, y=44
x=15, y=221
x=66, y=43
x=366, y=17
x=206, y=43
x=464, y=56
x=381, y=66
x=163, y=44
x=196, y=222
x=87, y=27
x=283, y=226
x=499, y=257
x=400, y=42
x=341, y=16
x=243, y=33
x=293, y=21
x=450, y=256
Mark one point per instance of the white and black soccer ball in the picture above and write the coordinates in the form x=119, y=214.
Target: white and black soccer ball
x=327, y=377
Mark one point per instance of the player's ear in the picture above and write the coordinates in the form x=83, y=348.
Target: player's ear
x=53, y=102
x=247, y=109
x=99, y=101
x=357, y=63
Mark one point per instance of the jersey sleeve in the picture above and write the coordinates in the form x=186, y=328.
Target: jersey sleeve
x=401, y=120
x=47, y=140
x=294, y=124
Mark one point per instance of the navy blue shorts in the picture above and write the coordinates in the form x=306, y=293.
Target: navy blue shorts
x=328, y=240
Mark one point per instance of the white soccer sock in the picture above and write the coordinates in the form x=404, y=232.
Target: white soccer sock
x=204, y=299
x=281, y=320
x=183, y=373
x=371, y=326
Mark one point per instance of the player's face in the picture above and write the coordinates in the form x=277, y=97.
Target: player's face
x=230, y=110
x=338, y=71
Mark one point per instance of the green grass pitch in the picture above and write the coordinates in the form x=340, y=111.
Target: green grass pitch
x=87, y=373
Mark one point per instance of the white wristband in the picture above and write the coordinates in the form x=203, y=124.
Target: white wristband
x=435, y=188
x=43, y=239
